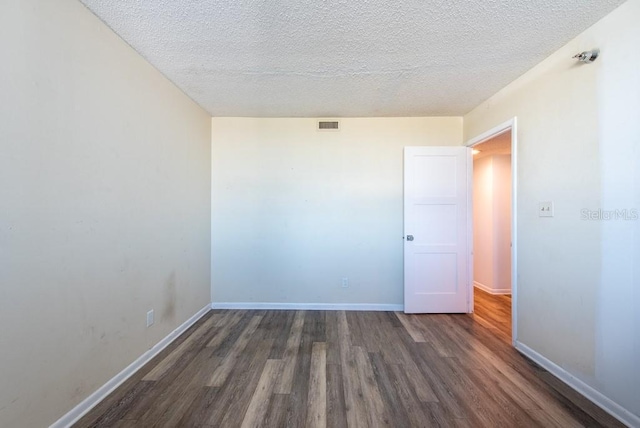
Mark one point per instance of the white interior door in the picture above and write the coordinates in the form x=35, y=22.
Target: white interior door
x=437, y=259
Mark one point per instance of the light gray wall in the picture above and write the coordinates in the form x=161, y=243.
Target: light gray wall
x=104, y=208
x=578, y=146
x=295, y=209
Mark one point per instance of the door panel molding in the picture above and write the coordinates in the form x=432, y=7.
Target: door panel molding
x=437, y=187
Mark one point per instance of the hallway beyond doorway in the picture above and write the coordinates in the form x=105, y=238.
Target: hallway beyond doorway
x=493, y=311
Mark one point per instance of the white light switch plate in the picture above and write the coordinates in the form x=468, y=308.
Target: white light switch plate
x=545, y=209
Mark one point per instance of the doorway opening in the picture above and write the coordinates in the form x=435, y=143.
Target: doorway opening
x=494, y=230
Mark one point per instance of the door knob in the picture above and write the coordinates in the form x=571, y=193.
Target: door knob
x=409, y=237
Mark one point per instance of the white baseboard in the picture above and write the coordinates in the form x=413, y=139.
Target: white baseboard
x=602, y=401
x=101, y=393
x=490, y=290
x=308, y=306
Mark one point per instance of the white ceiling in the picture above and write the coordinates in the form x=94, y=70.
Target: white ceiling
x=498, y=145
x=346, y=58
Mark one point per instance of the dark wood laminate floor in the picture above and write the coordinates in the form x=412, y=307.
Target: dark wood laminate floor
x=345, y=369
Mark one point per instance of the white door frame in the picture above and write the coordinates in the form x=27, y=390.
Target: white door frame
x=493, y=132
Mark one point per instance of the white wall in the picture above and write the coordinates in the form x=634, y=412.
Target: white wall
x=492, y=223
x=104, y=208
x=483, y=242
x=295, y=210
x=501, y=165
x=578, y=140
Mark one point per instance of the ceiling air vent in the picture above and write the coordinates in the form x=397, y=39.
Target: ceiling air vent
x=328, y=125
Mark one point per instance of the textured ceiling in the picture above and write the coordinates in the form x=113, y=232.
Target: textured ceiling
x=322, y=58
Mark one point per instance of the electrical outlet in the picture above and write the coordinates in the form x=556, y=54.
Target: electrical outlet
x=345, y=282
x=150, y=318
x=545, y=209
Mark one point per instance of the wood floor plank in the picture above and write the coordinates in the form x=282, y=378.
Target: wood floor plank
x=281, y=334
x=296, y=415
x=430, y=326
x=226, y=326
x=336, y=412
x=333, y=340
x=414, y=332
x=197, y=415
x=481, y=402
x=376, y=412
x=277, y=410
x=316, y=321
x=390, y=350
x=169, y=407
x=159, y=370
x=355, y=409
x=511, y=412
x=259, y=403
x=557, y=412
x=317, y=409
x=290, y=357
x=392, y=403
x=541, y=398
x=114, y=413
x=411, y=405
x=369, y=325
x=271, y=325
x=435, y=378
x=230, y=338
x=346, y=369
x=191, y=366
x=355, y=334
x=192, y=379
x=381, y=331
x=235, y=394
x=401, y=348
x=495, y=310
x=595, y=412
x=175, y=412
x=222, y=371
x=385, y=317
x=125, y=423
